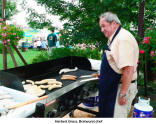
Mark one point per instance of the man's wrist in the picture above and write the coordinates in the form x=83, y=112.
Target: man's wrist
x=121, y=95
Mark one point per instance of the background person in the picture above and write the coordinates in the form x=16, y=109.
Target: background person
x=38, y=43
x=58, y=40
x=118, y=72
x=44, y=44
x=35, y=44
x=52, y=39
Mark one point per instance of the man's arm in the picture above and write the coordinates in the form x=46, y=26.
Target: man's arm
x=55, y=38
x=127, y=75
x=48, y=40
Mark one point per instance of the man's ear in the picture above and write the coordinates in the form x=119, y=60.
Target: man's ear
x=114, y=22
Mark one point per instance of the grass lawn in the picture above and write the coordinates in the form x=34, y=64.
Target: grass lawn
x=28, y=56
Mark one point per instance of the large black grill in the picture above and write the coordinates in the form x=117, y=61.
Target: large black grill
x=68, y=96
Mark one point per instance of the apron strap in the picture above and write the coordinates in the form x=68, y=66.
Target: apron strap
x=117, y=31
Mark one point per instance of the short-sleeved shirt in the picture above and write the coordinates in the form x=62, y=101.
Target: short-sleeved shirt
x=38, y=43
x=124, y=52
x=44, y=44
x=52, y=40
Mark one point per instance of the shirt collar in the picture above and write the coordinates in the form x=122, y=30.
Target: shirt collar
x=110, y=38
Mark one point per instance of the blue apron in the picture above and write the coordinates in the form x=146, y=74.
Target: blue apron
x=108, y=86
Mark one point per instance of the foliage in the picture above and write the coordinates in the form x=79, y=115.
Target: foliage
x=35, y=20
x=44, y=56
x=10, y=34
x=1, y=48
x=140, y=79
x=151, y=89
x=83, y=17
x=148, y=49
x=10, y=9
x=63, y=52
x=39, y=22
x=150, y=13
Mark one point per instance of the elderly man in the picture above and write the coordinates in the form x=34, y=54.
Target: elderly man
x=118, y=75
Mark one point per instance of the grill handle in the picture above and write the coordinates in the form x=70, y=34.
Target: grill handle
x=28, y=102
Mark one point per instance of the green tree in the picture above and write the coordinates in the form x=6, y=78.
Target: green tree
x=83, y=17
x=11, y=9
x=36, y=20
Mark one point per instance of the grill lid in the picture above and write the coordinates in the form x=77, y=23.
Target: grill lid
x=11, y=81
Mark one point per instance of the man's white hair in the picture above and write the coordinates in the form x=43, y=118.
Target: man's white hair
x=110, y=17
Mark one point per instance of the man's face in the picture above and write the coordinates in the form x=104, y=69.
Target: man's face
x=106, y=27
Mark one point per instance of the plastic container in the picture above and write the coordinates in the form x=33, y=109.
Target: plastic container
x=142, y=109
x=91, y=101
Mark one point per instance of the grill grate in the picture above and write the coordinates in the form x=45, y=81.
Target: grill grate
x=77, y=73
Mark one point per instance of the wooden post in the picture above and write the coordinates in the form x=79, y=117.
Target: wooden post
x=3, y=9
x=4, y=57
x=12, y=55
x=141, y=32
x=19, y=54
x=4, y=48
x=141, y=29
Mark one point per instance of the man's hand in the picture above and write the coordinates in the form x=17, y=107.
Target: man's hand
x=127, y=74
x=122, y=100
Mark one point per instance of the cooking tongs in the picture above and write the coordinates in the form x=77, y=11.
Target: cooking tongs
x=92, y=75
